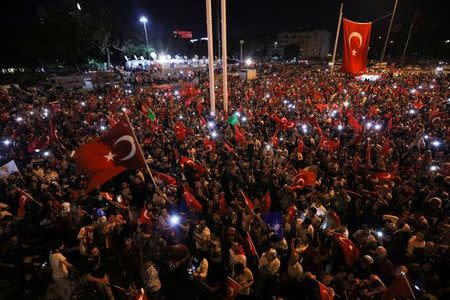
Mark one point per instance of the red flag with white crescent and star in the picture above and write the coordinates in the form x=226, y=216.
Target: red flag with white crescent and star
x=109, y=155
x=351, y=252
x=356, y=39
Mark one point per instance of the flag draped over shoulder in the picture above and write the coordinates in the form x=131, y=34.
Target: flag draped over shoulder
x=109, y=155
x=356, y=39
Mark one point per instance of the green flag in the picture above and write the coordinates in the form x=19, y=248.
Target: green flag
x=233, y=119
x=146, y=111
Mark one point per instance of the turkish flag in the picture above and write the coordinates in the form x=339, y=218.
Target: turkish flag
x=356, y=46
x=144, y=217
x=351, y=252
x=267, y=203
x=185, y=161
x=325, y=292
x=251, y=246
x=109, y=155
x=328, y=144
x=222, y=204
x=248, y=201
x=209, y=145
x=24, y=199
x=239, y=135
x=180, y=131
x=191, y=202
x=163, y=179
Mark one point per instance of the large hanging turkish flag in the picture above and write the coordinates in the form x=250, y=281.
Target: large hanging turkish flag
x=356, y=46
x=107, y=156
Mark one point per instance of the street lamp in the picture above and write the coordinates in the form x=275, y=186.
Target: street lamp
x=144, y=21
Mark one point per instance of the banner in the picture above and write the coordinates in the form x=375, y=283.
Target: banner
x=356, y=46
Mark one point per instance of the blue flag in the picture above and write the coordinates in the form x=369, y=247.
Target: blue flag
x=275, y=222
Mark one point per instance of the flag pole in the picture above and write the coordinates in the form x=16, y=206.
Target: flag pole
x=224, y=55
x=209, y=30
x=32, y=199
x=140, y=149
x=409, y=36
x=389, y=32
x=338, y=30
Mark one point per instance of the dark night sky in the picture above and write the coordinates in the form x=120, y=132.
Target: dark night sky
x=246, y=18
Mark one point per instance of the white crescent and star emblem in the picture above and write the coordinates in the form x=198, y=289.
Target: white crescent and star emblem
x=127, y=138
x=357, y=35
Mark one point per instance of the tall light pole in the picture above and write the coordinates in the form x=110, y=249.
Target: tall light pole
x=389, y=32
x=224, y=55
x=144, y=21
x=209, y=30
x=338, y=31
x=242, y=43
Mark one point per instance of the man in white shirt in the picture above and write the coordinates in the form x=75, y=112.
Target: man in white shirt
x=59, y=265
x=270, y=262
x=202, y=236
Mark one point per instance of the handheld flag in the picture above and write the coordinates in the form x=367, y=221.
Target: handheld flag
x=24, y=199
x=248, y=202
x=185, y=161
x=191, y=202
x=109, y=155
x=267, y=202
x=351, y=252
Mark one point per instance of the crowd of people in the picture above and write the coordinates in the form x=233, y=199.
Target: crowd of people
x=312, y=186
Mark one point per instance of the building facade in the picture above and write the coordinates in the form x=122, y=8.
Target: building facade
x=314, y=43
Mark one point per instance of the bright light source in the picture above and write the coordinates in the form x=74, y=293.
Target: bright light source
x=434, y=168
x=363, y=93
x=168, y=57
x=436, y=143
x=6, y=142
x=19, y=119
x=31, y=112
x=420, y=87
x=176, y=93
x=102, y=127
x=340, y=127
x=281, y=139
x=124, y=109
x=244, y=119
x=268, y=96
x=180, y=117
x=268, y=147
x=174, y=220
x=426, y=136
x=153, y=55
x=238, y=114
x=248, y=61
x=212, y=114
x=83, y=103
x=334, y=113
x=211, y=124
x=37, y=150
x=412, y=111
x=78, y=6
x=395, y=86
x=369, y=125
x=346, y=103
x=413, y=91
x=431, y=86
x=379, y=234
x=143, y=20
x=214, y=134
x=46, y=153
x=377, y=126
x=304, y=128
